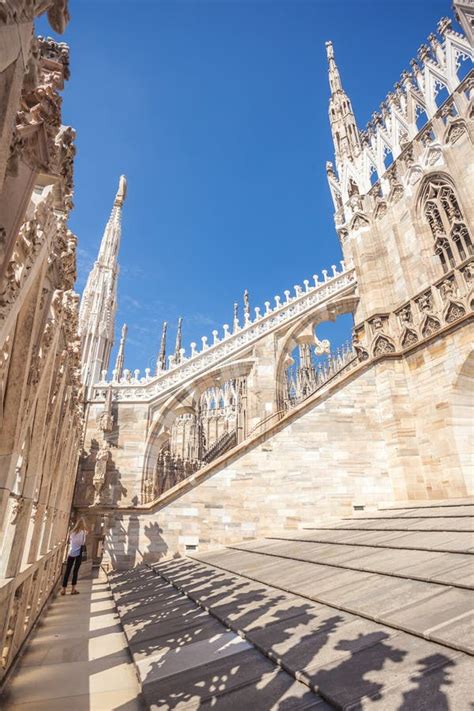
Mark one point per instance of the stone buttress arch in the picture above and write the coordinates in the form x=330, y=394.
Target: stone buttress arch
x=182, y=401
x=304, y=329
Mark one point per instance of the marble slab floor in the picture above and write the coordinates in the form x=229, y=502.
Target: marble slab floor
x=77, y=658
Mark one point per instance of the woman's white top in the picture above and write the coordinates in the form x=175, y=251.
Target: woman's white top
x=76, y=540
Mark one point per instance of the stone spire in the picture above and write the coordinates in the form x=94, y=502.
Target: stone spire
x=99, y=300
x=464, y=13
x=161, y=360
x=177, y=348
x=345, y=133
x=121, y=353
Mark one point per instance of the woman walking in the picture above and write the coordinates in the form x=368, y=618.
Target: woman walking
x=77, y=539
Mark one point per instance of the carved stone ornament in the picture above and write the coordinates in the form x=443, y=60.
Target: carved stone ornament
x=105, y=418
x=409, y=338
x=17, y=508
x=454, y=311
x=149, y=489
x=343, y=235
x=361, y=352
x=377, y=324
x=17, y=144
x=447, y=289
x=408, y=156
x=355, y=201
x=359, y=222
x=425, y=302
x=395, y=193
x=382, y=346
x=455, y=131
x=13, y=11
x=405, y=315
x=430, y=326
x=100, y=470
x=31, y=237
x=414, y=175
x=434, y=156
x=322, y=347
x=34, y=511
x=468, y=273
x=381, y=209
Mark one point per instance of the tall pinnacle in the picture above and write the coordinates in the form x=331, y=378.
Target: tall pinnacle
x=236, y=317
x=344, y=129
x=121, y=353
x=161, y=360
x=110, y=244
x=177, y=349
x=99, y=300
x=334, y=76
x=121, y=192
x=246, y=305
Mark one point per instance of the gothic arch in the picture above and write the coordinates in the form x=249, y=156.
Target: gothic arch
x=189, y=394
x=439, y=205
x=184, y=402
x=303, y=332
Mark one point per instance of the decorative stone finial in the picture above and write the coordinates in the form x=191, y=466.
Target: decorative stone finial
x=246, y=305
x=329, y=50
x=121, y=352
x=177, y=349
x=121, y=192
x=161, y=360
x=443, y=25
x=236, y=317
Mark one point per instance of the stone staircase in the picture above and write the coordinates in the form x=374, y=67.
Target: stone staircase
x=226, y=441
x=375, y=611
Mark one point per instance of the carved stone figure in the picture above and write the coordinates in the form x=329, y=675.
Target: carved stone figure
x=105, y=419
x=448, y=290
x=425, y=302
x=468, y=272
x=405, y=314
x=377, y=323
x=100, y=470
x=149, y=489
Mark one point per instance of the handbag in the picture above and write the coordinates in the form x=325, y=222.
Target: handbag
x=83, y=553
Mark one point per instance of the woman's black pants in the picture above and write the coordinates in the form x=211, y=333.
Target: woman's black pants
x=72, y=561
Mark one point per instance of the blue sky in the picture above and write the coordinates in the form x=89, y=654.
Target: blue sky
x=216, y=111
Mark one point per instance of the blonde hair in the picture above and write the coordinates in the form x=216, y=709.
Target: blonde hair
x=80, y=525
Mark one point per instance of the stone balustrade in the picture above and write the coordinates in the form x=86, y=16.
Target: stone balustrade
x=301, y=385
x=30, y=591
x=134, y=387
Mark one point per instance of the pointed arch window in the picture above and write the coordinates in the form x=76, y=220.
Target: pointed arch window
x=451, y=237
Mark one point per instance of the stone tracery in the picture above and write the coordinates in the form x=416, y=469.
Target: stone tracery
x=206, y=429
x=451, y=237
